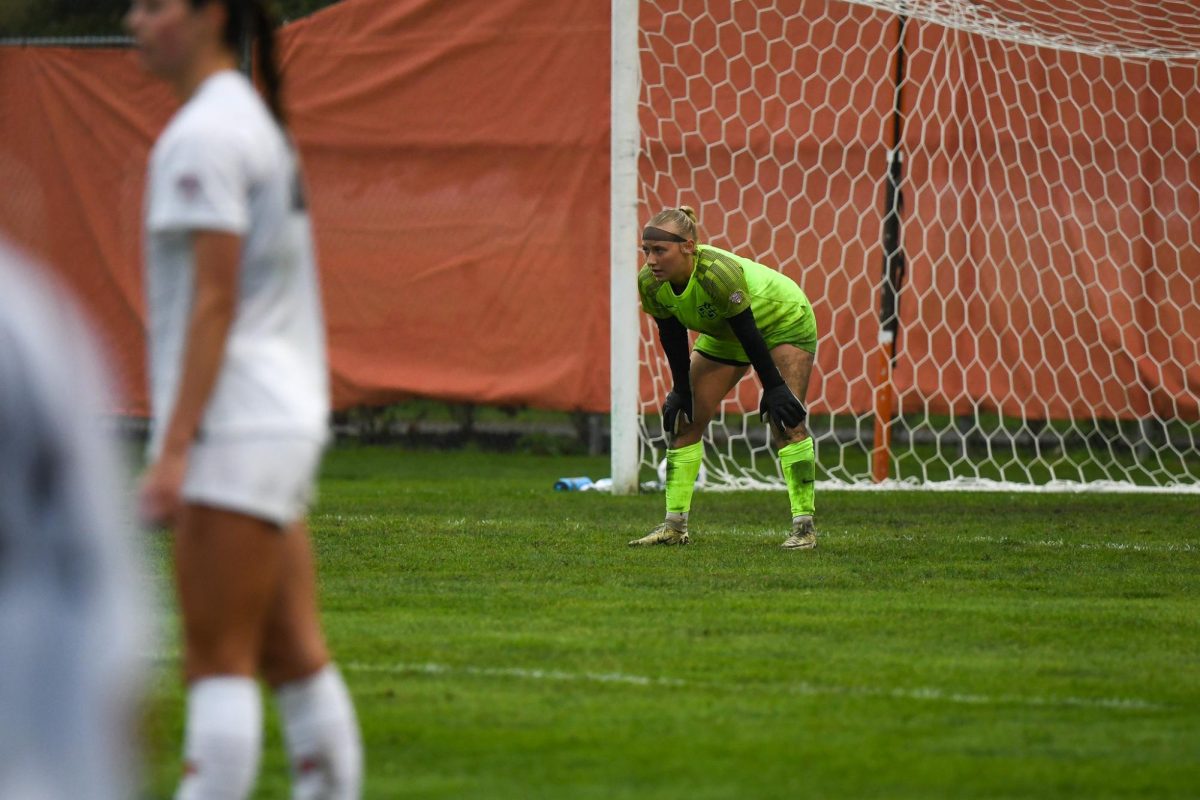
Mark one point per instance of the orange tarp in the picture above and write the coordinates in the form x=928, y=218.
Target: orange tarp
x=457, y=160
x=1053, y=232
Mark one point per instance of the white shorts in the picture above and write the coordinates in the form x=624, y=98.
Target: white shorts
x=270, y=478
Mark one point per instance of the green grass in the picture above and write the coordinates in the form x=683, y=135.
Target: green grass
x=502, y=642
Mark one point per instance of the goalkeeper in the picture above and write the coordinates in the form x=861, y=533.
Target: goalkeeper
x=746, y=314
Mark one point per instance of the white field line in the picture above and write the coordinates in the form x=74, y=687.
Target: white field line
x=1150, y=547
x=1155, y=547
x=1134, y=547
x=925, y=694
x=729, y=482
x=514, y=672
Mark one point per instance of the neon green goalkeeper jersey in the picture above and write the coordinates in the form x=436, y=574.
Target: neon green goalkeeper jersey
x=723, y=285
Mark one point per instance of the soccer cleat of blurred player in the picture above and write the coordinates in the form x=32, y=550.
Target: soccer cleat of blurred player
x=746, y=314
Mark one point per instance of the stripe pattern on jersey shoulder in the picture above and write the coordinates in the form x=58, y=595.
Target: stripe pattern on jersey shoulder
x=724, y=281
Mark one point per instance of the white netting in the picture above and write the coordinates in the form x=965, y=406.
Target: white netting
x=1049, y=317
x=1153, y=29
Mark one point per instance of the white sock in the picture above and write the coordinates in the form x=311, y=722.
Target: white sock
x=223, y=739
x=322, y=737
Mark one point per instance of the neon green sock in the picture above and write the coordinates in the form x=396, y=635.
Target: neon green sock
x=683, y=465
x=800, y=470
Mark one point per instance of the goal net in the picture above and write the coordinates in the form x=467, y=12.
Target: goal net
x=1017, y=180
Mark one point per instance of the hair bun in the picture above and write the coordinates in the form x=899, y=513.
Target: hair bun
x=690, y=212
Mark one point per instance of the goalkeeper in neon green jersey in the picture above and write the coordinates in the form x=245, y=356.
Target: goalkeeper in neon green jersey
x=746, y=314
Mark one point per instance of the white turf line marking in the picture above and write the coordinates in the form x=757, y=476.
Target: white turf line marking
x=1152, y=547
x=798, y=688
x=1164, y=547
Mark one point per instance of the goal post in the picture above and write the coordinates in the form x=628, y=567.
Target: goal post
x=1043, y=194
x=623, y=303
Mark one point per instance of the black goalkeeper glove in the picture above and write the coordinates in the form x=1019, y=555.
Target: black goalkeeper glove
x=781, y=408
x=676, y=411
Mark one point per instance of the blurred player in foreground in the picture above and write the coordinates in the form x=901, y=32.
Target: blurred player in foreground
x=71, y=599
x=240, y=400
x=746, y=314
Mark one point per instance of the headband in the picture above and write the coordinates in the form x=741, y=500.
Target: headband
x=659, y=235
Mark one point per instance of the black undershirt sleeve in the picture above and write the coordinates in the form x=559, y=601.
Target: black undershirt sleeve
x=674, y=340
x=747, y=332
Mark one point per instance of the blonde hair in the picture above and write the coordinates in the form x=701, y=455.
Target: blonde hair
x=682, y=219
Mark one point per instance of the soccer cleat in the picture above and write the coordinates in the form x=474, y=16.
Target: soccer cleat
x=803, y=536
x=663, y=534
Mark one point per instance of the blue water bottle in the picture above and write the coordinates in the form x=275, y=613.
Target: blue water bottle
x=571, y=484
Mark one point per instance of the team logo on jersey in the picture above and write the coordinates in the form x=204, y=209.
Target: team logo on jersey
x=736, y=298
x=188, y=186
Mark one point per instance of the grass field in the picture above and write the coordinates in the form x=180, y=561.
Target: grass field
x=502, y=642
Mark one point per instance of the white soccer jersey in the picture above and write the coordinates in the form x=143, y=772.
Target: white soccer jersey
x=223, y=164
x=71, y=604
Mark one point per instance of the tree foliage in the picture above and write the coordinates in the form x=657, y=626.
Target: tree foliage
x=103, y=17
